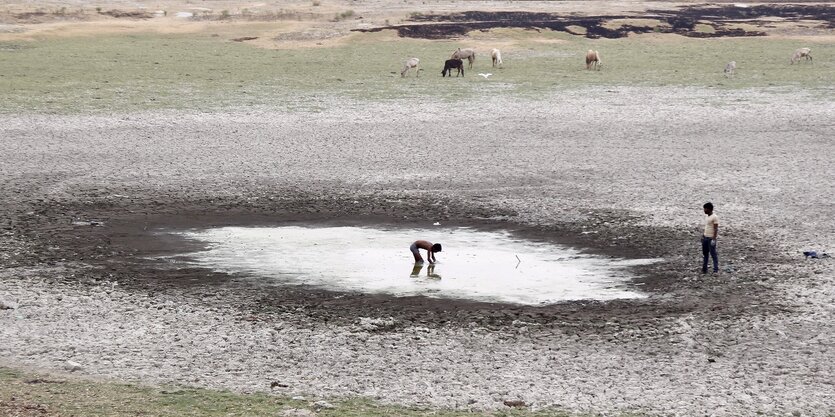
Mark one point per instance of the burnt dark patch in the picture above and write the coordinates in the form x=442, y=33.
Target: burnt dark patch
x=682, y=21
x=30, y=15
x=40, y=16
x=719, y=16
x=130, y=14
x=791, y=12
x=444, y=26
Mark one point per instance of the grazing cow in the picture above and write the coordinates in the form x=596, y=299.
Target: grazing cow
x=730, y=69
x=451, y=64
x=593, y=60
x=801, y=53
x=497, y=57
x=409, y=64
x=468, y=54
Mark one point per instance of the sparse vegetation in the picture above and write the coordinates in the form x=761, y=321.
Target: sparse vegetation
x=577, y=30
x=344, y=15
x=62, y=396
x=118, y=72
x=317, y=3
x=704, y=28
x=250, y=15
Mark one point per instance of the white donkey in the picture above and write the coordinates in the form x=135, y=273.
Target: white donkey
x=409, y=64
x=593, y=60
x=801, y=53
x=730, y=69
x=497, y=57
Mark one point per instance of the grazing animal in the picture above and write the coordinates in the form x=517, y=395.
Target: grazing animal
x=468, y=54
x=485, y=75
x=801, y=53
x=451, y=64
x=730, y=69
x=593, y=60
x=409, y=64
x=497, y=57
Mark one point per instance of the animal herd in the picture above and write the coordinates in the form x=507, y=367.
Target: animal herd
x=455, y=62
x=800, y=53
x=593, y=62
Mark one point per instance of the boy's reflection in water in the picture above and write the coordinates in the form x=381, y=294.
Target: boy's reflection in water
x=430, y=271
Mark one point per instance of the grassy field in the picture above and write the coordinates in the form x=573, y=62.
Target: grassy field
x=65, y=397
x=204, y=72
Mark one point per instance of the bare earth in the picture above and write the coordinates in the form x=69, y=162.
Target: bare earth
x=623, y=173
x=758, y=338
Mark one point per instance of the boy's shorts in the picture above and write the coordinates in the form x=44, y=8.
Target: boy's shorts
x=414, y=249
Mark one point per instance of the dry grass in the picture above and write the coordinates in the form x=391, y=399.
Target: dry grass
x=205, y=70
x=27, y=394
x=704, y=28
x=68, y=65
x=578, y=29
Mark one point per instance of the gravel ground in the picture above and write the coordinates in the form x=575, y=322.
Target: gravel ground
x=630, y=167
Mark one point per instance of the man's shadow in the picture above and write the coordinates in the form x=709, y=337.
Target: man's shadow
x=430, y=271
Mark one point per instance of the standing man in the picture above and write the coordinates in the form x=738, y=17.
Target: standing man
x=709, y=238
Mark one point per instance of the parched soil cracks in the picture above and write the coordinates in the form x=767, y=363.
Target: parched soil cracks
x=84, y=199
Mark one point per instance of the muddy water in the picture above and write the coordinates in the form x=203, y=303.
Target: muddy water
x=474, y=265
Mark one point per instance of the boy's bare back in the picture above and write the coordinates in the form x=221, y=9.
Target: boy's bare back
x=424, y=244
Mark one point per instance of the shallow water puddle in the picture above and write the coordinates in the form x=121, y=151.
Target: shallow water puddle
x=474, y=265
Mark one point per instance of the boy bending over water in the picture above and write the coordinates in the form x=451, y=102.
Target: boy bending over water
x=428, y=247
